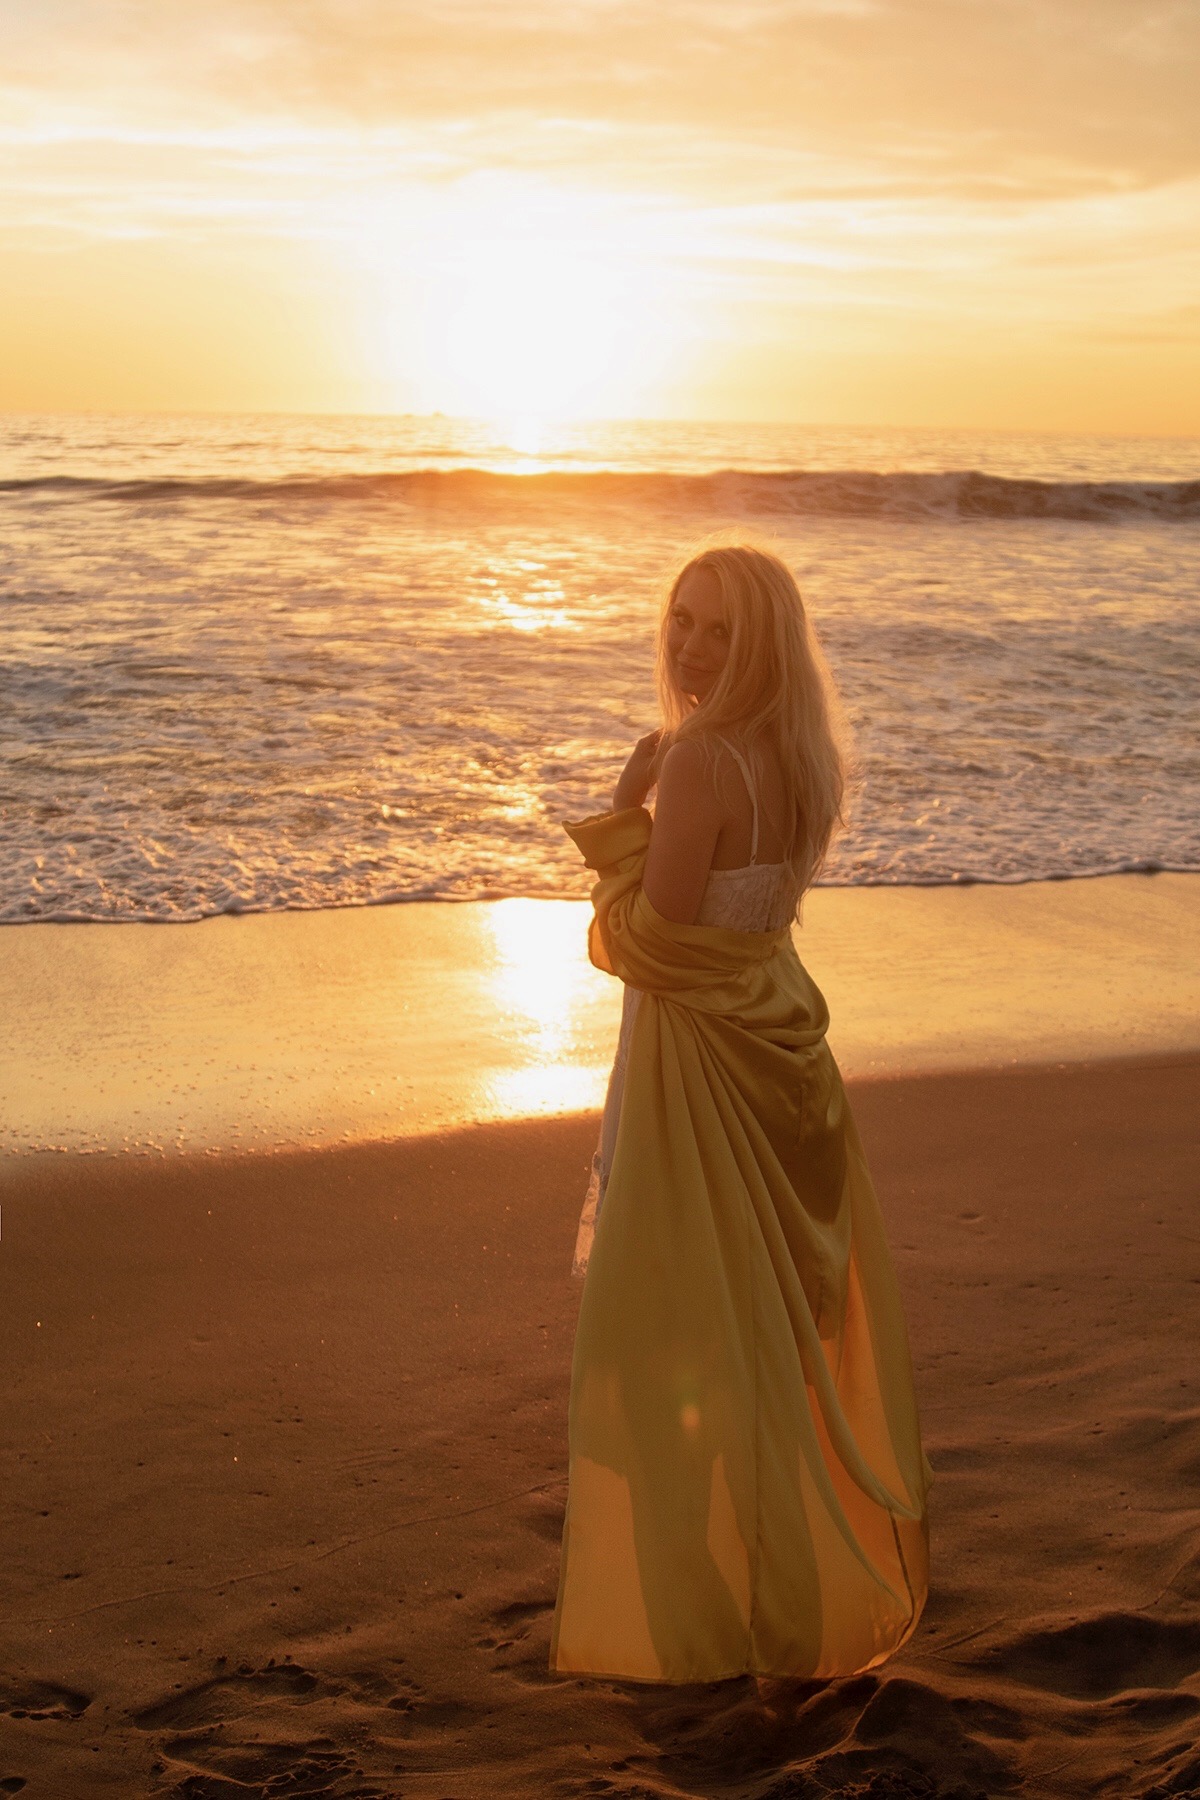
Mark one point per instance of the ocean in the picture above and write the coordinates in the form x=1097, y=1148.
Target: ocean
x=254, y=663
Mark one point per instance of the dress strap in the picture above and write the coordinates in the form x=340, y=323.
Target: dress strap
x=744, y=766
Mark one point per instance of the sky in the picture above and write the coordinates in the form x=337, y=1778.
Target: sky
x=899, y=212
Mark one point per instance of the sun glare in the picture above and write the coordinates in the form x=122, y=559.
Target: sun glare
x=531, y=330
x=527, y=303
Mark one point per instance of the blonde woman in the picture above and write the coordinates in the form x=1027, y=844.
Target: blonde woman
x=747, y=1485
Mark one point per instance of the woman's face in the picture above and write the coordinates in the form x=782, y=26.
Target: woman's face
x=698, y=633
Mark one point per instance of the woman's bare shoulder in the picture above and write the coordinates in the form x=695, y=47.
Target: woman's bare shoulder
x=704, y=756
x=688, y=776
x=685, y=758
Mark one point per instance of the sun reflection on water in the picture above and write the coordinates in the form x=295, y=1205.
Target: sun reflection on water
x=531, y=601
x=529, y=435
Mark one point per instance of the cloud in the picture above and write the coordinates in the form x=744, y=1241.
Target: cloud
x=980, y=97
x=779, y=168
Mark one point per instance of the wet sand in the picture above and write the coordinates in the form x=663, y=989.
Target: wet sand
x=381, y=1022
x=285, y=1443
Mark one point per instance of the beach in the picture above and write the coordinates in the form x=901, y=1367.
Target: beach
x=286, y=1414
x=406, y=411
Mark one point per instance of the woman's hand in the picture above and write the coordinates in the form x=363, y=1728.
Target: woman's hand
x=639, y=774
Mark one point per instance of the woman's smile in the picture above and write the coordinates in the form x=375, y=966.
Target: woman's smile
x=697, y=633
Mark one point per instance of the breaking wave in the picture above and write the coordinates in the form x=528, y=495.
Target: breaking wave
x=857, y=493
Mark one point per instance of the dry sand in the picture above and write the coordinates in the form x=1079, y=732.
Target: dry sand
x=284, y=1443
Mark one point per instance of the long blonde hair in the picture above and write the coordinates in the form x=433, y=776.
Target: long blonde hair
x=775, y=690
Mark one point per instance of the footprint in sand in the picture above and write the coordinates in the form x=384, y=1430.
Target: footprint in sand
x=229, y=1736
x=220, y=1738
x=212, y=1772
x=519, y=1649
x=209, y=1702
x=36, y=1700
x=611, y=1790
x=39, y=1700
x=372, y=1687
x=513, y=1623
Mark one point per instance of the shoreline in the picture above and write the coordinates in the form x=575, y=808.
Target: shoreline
x=500, y=893
x=363, y=1024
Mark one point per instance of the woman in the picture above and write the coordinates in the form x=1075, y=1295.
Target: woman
x=747, y=1485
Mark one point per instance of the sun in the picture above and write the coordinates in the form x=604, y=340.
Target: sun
x=531, y=303
x=533, y=331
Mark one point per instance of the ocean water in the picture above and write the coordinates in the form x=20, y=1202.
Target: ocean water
x=256, y=663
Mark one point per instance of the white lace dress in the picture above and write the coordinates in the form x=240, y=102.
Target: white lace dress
x=757, y=897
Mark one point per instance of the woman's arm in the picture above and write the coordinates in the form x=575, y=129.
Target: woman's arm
x=688, y=816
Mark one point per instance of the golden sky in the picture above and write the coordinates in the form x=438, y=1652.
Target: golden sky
x=957, y=212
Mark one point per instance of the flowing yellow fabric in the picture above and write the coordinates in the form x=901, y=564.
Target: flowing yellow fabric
x=747, y=1485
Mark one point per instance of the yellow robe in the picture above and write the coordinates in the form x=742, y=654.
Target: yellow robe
x=747, y=1484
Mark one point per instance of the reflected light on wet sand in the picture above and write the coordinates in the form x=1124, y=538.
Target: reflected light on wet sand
x=542, y=980
x=308, y=1028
